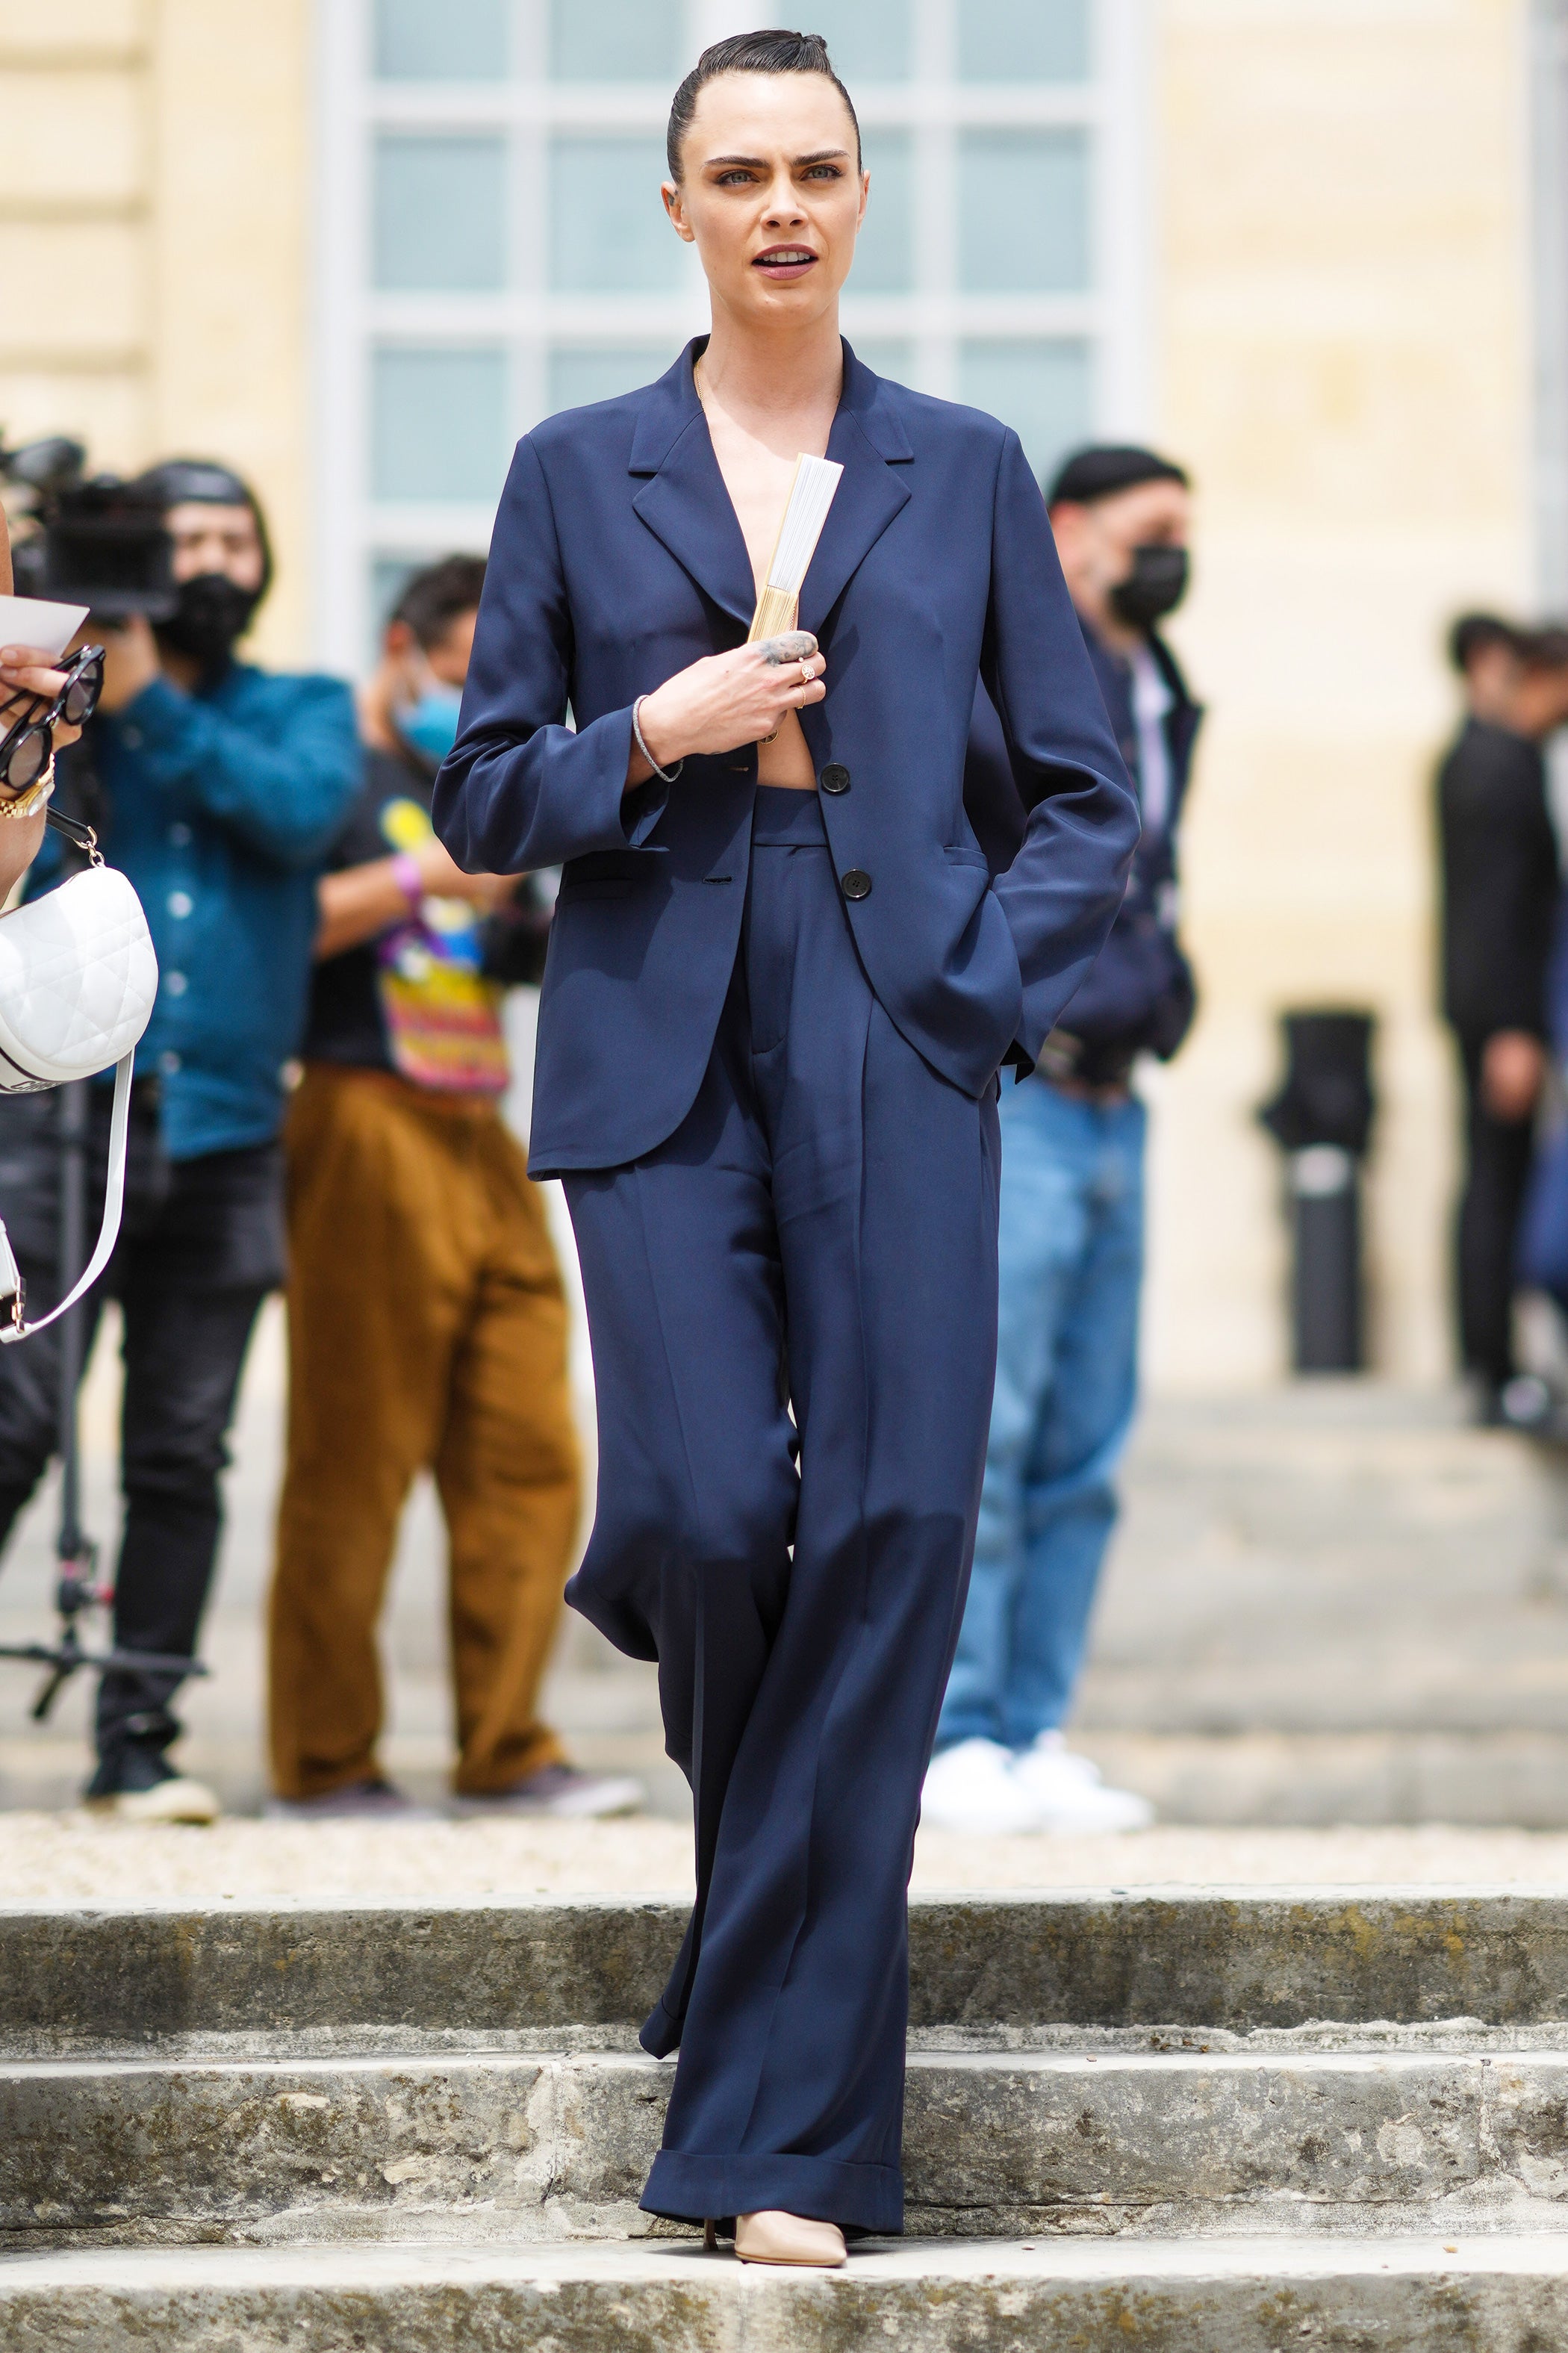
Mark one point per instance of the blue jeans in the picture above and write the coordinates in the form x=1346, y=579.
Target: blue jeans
x=1067, y=1363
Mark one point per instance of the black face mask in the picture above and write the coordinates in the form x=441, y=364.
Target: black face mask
x=1155, y=586
x=211, y=614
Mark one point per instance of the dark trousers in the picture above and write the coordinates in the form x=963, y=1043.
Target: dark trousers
x=1498, y=1155
x=200, y=1247
x=820, y=1232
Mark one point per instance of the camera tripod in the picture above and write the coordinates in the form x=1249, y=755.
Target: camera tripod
x=77, y=1586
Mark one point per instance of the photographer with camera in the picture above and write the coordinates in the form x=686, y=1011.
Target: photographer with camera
x=218, y=788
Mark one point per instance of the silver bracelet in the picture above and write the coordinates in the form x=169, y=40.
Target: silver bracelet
x=665, y=776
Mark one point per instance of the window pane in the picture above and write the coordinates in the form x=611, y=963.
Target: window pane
x=1022, y=40
x=441, y=40
x=438, y=425
x=617, y=41
x=1022, y=212
x=608, y=230
x=580, y=373
x=884, y=255
x=886, y=355
x=389, y=576
x=1044, y=390
x=440, y=212
x=869, y=41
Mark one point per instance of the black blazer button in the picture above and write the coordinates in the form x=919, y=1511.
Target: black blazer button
x=855, y=884
x=834, y=778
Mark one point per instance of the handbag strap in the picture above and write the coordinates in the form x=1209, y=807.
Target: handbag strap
x=82, y=836
x=108, y=1233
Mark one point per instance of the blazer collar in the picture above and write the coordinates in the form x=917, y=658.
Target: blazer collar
x=686, y=505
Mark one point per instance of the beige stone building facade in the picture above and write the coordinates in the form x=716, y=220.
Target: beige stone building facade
x=1319, y=234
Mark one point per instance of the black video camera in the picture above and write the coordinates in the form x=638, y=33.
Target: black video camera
x=90, y=539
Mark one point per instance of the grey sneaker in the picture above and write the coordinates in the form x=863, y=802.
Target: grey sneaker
x=357, y=1801
x=562, y=1790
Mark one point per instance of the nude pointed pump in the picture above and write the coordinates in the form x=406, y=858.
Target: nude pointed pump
x=775, y=2238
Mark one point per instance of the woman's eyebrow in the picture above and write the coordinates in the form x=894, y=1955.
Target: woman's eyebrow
x=760, y=163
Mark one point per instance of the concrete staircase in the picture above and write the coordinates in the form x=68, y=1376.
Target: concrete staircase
x=1186, y=2121
x=1335, y=1603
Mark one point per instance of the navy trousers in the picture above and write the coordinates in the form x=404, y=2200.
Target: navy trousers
x=816, y=1240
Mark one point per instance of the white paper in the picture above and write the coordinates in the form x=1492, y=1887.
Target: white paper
x=816, y=480
x=34, y=621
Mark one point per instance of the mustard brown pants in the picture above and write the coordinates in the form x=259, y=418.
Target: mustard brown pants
x=427, y=1331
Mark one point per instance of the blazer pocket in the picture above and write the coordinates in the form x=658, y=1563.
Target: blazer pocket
x=957, y=854
x=599, y=886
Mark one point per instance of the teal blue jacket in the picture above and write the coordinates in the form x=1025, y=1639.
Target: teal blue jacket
x=221, y=806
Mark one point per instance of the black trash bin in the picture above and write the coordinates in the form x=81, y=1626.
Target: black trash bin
x=1322, y=1116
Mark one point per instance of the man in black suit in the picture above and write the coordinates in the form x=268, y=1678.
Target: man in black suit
x=1500, y=890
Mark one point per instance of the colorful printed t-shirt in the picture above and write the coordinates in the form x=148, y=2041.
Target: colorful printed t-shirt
x=415, y=1000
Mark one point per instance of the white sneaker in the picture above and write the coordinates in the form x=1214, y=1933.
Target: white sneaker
x=1067, y=1794
x=174, y=1801
x=973, y=1788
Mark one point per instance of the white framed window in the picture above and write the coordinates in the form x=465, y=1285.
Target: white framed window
x=491, y=246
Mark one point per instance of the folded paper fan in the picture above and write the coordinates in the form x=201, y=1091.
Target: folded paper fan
x=811, y=495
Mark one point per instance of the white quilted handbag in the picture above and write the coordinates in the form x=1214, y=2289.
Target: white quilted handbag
x=77, y=978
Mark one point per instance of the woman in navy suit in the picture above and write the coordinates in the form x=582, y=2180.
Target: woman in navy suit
x=780, y=984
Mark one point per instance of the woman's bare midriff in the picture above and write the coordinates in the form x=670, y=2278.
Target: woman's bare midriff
x=788, y=759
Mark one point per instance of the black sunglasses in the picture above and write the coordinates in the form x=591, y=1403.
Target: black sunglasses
x=26, y=746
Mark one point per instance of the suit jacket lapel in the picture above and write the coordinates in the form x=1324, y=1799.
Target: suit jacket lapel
x=871, y=449
x=685, y=503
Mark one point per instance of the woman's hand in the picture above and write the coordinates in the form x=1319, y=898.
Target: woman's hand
x=27, y=671
x=721, y=702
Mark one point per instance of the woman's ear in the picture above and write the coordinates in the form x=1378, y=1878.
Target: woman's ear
x=675, y=205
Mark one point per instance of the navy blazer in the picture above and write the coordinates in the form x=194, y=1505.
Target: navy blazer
x=617, y=559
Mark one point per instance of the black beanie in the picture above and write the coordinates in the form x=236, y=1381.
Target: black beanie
x=203, y=481
x=1103, y=468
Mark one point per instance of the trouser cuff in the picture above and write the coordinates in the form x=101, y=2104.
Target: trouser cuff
x=869, y=2199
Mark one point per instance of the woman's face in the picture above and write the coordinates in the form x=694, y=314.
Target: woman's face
x=770, y=195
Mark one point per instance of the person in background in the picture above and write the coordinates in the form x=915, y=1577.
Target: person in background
x=218, y=787
x=1072, y=1205
x=1500, y=884
x=1483, y=649
x=426, y=1324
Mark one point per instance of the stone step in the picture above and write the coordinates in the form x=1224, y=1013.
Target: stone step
x=499, y=2145
x=1284, y=1778
x=1379, y=2295
x=584, y=1971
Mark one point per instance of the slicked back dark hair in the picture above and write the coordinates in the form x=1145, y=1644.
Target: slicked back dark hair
x=751, y=53
x=439, y=594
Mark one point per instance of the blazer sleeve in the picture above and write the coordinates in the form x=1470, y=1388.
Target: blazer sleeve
x=1061, y=892
x=519, y=788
